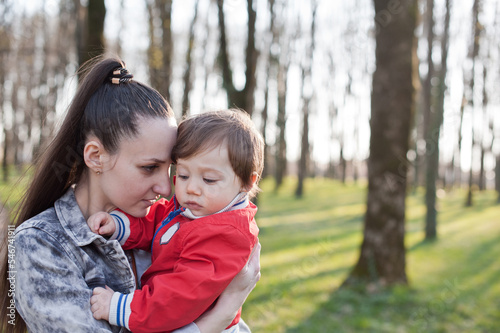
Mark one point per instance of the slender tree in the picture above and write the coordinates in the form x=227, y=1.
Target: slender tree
x=280, y=63
x=281, y=146
x=5, y=47
x=307, y=95
x=383, y=255
x=90, y=32
x=497, y=178
x=239, y=98
x=160, y=49
x=434, y=129
x=187, y=77
x=477, y=29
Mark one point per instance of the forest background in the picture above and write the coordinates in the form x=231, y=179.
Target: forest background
x=396, y=97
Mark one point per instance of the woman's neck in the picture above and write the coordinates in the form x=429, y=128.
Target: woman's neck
x=89, y=196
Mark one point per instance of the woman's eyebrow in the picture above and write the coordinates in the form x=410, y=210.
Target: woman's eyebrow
x=155, y=160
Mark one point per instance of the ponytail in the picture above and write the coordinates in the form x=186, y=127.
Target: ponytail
x=107, y=104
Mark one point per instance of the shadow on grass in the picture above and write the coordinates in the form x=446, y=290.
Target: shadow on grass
x=465, y=298
x=307, y=256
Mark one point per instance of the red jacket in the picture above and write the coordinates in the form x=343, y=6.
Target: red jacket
x=193, y=261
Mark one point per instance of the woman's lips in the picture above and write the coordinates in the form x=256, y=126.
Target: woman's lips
x=149, y=202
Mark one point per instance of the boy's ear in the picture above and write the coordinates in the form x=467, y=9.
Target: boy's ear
x=92, y=155
x=253, y=179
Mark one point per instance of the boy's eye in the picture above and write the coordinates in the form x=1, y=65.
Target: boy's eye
x=209, y=181
x=183, y=177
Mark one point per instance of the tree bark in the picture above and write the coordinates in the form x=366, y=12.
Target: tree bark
x=436, y=120
x=497, y=177
x=281, y=161
x=244, y=98
x=92, y=29
x=482, y=174
x=431, y=141
x=307, y=95
x=188, y=84
x=383, y=255
x=477, y=29
x=160, y=46
x=278, y=48
x=4, y=52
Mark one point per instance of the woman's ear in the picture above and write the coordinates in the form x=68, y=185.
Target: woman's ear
x=93, y=155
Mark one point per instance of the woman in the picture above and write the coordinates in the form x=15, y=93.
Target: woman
x=112, y=151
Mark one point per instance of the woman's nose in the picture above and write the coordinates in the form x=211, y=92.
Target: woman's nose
x=162, y=186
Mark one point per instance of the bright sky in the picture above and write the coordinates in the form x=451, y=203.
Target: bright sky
x=354, y=53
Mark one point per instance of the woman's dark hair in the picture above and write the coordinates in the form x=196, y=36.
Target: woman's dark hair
x=105, y=108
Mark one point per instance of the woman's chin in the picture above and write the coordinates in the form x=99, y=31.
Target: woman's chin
x=138, y=212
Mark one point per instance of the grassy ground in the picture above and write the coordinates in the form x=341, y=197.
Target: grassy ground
x=12, y=190
x=310, y=245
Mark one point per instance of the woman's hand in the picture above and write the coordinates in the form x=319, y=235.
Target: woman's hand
x=233, y=297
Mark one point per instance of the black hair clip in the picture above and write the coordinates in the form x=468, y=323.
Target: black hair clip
x=121, y=75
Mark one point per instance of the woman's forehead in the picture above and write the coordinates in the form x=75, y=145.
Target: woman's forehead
x=154, y=139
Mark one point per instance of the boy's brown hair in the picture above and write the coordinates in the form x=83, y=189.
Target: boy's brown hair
x=233, y=127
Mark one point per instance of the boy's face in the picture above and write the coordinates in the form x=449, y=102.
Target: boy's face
x=206, y=182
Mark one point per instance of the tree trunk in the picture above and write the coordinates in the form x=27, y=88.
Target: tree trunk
x=304, y=150
x=456, y=164
x=477, y=28
x=436, y=120
x=383, y=255
x=307, y=95
x=482, y=175
x=343, y=163
x=281, y=162
x=239, y=98
x=4, y=52
x=93, y=30
x=188, y=84
x=431, y=141
x=160, y=46
x=497, y=178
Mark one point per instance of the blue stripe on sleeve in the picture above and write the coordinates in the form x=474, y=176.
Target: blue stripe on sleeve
x=118, y=310
x=121, y=227
x=124, y=307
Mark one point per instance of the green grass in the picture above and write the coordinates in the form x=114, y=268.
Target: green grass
x=12, y=190
x=310, y=245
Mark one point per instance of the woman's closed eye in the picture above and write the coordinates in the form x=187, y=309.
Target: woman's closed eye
x=149, y=168
x=182, y=177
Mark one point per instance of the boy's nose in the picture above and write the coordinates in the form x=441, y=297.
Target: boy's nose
x=193, y=186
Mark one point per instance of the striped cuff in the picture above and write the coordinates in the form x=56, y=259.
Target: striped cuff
x=119, y=309
x=189, y=328
x=122, y=230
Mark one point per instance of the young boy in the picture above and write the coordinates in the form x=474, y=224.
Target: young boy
x=199, y=240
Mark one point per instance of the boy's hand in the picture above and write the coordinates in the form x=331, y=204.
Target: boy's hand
x=100, y=302
x=102, y=223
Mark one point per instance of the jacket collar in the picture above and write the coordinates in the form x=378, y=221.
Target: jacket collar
x=72, y=219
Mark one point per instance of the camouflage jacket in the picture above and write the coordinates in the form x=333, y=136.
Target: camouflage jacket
x=58, y=262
